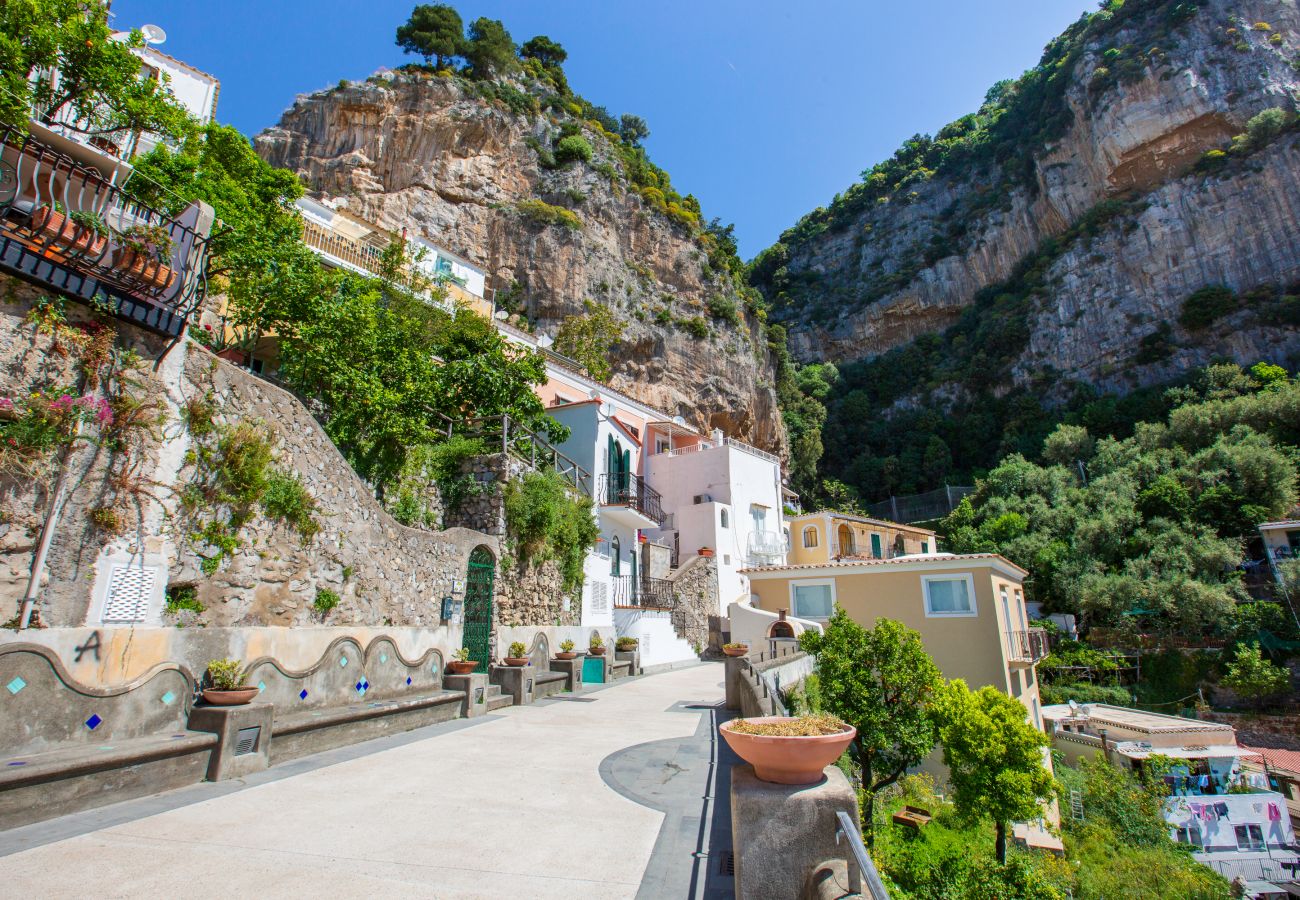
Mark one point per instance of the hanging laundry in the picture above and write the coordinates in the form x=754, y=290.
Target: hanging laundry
x=1274, y=814
x=1221, y=809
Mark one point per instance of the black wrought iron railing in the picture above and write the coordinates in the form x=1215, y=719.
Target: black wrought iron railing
x=618, y=489
x=511, y=437
x=656, y=592
x=65, y=226
x=1028, y=646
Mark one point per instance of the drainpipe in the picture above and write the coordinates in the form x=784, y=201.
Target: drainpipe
x=47, y=537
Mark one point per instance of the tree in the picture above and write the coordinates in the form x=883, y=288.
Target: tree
x=1253, y=678
x=880, y=682
x=435, y=30
x=489, y=48
x=98, y=88
x=588, y=339
x=546, y=51
x=994, y=756
x=633, y=129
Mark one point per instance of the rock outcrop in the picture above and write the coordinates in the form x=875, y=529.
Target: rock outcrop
x=896, y=270
x=427, y=154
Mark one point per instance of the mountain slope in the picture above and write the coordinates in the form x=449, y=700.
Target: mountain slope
x=464, y=164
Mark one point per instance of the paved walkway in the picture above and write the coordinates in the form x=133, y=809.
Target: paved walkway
x=611, y=795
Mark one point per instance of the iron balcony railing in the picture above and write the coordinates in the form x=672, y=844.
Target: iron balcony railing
x=765, y=548
x=1028, y=646
x=513, y=438
x=656, y=593
x=66, y=227
x=619, y=489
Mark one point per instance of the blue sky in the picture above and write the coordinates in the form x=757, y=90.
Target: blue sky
x=763, y=110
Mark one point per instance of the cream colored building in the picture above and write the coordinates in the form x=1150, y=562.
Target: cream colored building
x=821, y=537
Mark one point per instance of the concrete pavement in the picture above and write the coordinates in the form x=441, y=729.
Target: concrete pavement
x=513, y=804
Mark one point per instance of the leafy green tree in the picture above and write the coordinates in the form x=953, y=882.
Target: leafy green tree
x=98, y=82
x=1253, y=678
x=633, y=129
x=589, y=338
x=994, y=756
x=546, y=51
x=489, y=48
x=880, y=682
x=434, y=31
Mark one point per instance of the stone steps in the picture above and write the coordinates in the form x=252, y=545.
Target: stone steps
x=494, y=699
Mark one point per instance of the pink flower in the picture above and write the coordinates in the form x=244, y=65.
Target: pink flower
x=63, y=404
x=6, y=403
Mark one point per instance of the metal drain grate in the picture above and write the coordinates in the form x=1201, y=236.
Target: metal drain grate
x=246, y=740
x=727, y=863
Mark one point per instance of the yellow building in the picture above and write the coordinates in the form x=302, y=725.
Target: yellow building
x=825, y=536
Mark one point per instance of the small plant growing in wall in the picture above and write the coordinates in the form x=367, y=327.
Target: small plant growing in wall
x=325, y=601
x=182, y=598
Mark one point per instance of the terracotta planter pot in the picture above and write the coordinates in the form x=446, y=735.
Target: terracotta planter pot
x=237, y=697
x=516, y=661
x=65, y=233
x=459, y=667
x=736, y=651
x=706, y=552
x=626, y=649
x=566, y=654
x=141, y=268
x=596, y=651
x=787, y=760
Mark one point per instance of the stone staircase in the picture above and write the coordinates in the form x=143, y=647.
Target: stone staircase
x=494, y=699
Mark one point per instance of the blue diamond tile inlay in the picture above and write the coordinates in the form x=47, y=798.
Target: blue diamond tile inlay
x=408, y=679
x=168, y=698
x=357, y=685
x=302, y=695
x=261, y=686
x=383, y=657
x=16, y=685
x=93, y=722
x=343, y=662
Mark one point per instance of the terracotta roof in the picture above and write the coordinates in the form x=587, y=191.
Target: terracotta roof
x=898, y=560
x=1281, y=760
x=854, y=517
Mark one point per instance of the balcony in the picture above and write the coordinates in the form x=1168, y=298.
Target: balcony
x=1026, y=648
x=66, y=228
x=765, y=548
x=647, y=593
x=627, y=499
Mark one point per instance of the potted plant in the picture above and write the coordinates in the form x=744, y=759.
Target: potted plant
x=626, y=643
x=789, y=749
x=706, y=552
x=566, y=650
x=735, y=649
x=596, y=647
x=82, y=232
x=460, y=663
x=143, y=253
x=517, y=655
x=227, y=679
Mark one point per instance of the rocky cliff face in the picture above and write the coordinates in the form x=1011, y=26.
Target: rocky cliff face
x=427, y=154
x=898, y=270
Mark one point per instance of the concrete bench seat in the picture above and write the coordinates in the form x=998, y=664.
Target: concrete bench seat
x=548, y=683
x=312, y=731
x=620, y=668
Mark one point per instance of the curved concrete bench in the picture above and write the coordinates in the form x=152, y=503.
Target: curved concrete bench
x=548, y=683
x=312, y=731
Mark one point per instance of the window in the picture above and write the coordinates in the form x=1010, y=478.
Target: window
x=1249, y=837
x=1006, y=610
x=759, y=515
x=726, y=559
x=925, y=546
x=810, y=537
x=949, y=596
x=789, y=545
x=615, y=552
x=812, y=599
x=1190, y=835
x=561, y=400
x=661, y=445
x=724, y=518
x=1020, y=605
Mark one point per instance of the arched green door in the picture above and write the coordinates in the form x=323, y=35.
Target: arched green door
x=479, y=583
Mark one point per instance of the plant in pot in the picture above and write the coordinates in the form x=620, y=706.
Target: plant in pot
x=626, y=643
x=789, y=749
x=517, y=655
x=460, y=663
x=596, y=647
x=566, y=650
x=706, y=552
x=143, y=253
x=735, y=649
x=83, y=232
x=226, y=677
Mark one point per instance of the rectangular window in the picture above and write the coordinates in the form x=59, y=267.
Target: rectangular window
x=812, y=599
x=949, y=596
x=661, y=445
x=810, y=537
x=1249, y=837
x=1190, y=835
x=925, y=546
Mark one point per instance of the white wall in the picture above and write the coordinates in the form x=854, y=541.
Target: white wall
x=659, y=643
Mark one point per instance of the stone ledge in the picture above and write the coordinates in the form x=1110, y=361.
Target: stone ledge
x=69, y=762
x=322, y=718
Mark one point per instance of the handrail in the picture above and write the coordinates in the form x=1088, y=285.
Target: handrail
x=1029, y=644
x=850, y=830
x=526, y=445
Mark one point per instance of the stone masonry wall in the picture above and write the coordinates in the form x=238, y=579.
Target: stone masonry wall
x=695, y=586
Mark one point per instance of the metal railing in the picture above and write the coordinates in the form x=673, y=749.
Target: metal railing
x=920, y=507
x=621, y=590
x=1027, y=646
x=511, y=437
x=850, y=830
x=626, y=489
x=656, y=593
x=765, y=548
x=58, y=216
x=360, y=254
x=1272, y=868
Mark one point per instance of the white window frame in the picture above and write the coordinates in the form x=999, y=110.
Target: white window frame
x=956, y=576
x=1183, y=834
x=1251, y=846
x=812, y=582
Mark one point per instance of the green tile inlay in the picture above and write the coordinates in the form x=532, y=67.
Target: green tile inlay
x=16, y=685
x=343, y=662
x=168, y=698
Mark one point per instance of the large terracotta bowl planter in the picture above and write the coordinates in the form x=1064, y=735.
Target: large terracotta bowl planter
x=516, y=661
x=462, y=667
x=237, y=697
x=596, y=651
x=736, y=651
x=788, y=760
x=566, y=654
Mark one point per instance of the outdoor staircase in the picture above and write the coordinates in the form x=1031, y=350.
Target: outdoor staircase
x=494, y=699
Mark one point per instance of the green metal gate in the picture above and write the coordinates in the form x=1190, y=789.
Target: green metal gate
x=479, y=581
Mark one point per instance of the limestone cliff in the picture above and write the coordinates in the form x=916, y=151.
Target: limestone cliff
x=1144, y=91
x=428, y=154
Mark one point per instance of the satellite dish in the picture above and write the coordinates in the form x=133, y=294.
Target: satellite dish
x=501, y=314
x=545, y=341
x=153, y=34
x=678, y=420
